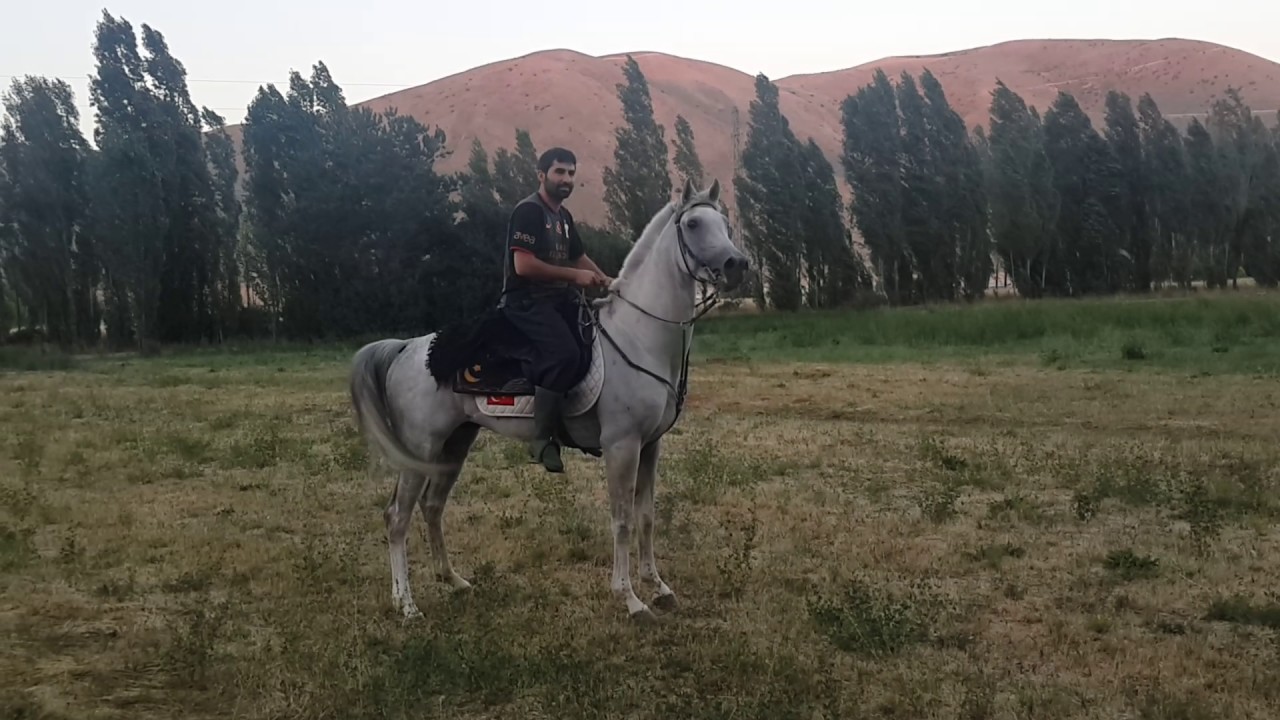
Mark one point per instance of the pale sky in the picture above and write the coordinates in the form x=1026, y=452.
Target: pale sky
x=374, y=47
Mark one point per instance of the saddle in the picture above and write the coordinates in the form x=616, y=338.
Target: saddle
x=489, y=356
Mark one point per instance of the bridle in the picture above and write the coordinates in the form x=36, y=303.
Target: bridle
x=680, y=390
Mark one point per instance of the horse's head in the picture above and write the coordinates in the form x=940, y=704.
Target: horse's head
x=703, y=231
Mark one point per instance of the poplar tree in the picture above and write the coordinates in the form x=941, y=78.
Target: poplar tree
x=1129, y=207
x=1022, y=200
x=962, y=202
x=1164, y=167
x=871, y=160
x=639, y=183
x=686, y=154
x=770, y=197
x=1086, y=253
x=515, y=174
x=45, y=248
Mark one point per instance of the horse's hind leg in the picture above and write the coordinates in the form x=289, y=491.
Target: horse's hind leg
x=646, y=480
x=398, y=514
x=433, y=501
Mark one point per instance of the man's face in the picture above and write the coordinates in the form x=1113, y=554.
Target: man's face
x=558, y=181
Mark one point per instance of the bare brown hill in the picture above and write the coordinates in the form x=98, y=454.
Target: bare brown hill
x=1183, y=76
x=567, y=98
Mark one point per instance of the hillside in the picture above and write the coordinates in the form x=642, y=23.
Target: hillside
x=567, y=98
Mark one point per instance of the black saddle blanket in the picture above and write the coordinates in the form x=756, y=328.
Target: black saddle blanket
x=488, y=355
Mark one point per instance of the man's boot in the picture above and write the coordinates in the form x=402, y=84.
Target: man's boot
x=546, y=410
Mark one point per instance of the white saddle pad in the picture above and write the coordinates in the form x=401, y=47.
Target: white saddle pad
x=581, y=398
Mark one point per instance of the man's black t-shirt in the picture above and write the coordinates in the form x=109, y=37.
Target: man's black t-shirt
x=551, y=236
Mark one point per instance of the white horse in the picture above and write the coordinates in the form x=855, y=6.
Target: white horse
x=426, y=428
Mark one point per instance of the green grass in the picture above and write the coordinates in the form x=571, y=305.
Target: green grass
x=1209, y=332
x=1236, y=332
x=27, y=359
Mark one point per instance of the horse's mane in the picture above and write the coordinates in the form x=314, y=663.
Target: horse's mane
x=645, y=244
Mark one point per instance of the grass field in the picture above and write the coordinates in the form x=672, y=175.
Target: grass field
x=1055, y=510
x=1210, y=332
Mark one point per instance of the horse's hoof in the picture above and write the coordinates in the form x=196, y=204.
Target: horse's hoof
x=411, y=612
x=644, y=617
x=456, y=582
x=665, y=603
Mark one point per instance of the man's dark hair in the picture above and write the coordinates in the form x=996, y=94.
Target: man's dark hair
x=555, y=155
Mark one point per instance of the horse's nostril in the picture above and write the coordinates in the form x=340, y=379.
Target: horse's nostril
x=730, y=264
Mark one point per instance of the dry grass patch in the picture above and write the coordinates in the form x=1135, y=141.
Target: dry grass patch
x=846, y=541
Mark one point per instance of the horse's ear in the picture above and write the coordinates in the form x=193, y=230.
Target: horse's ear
x=714, y=192
x=686, y=194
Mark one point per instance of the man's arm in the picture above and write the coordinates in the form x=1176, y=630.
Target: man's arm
x=587, y=263
x=528, y=265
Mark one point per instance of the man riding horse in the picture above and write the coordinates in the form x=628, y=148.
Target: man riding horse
x=544, y=264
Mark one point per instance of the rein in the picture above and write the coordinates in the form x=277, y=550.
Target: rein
x=680, y=390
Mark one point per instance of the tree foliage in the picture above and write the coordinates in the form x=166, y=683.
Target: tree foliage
x=769, y=198
x=156, y=210
x=350, y=222
x=45, y=248
x=792, y=215
x=918, y=195
x=515, y=174
x=333, y=221
x=639, y=183
x=688, y=165
x=1085, y=252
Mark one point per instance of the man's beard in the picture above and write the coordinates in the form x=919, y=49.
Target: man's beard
x=558, y=190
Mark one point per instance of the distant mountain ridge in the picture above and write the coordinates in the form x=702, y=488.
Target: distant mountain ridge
x=564, y=97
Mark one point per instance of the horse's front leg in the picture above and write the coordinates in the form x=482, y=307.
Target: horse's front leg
x=646, y=481
x=621, y=462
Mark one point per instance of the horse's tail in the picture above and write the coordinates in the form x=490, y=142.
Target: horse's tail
x=369, y=399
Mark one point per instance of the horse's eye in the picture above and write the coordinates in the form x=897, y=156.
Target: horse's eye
x=693, y=223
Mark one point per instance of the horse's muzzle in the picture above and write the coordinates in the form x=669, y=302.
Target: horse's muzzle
x=735, y=270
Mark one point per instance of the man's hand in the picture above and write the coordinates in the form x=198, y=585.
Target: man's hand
x=585, y=278
x=586, y=263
